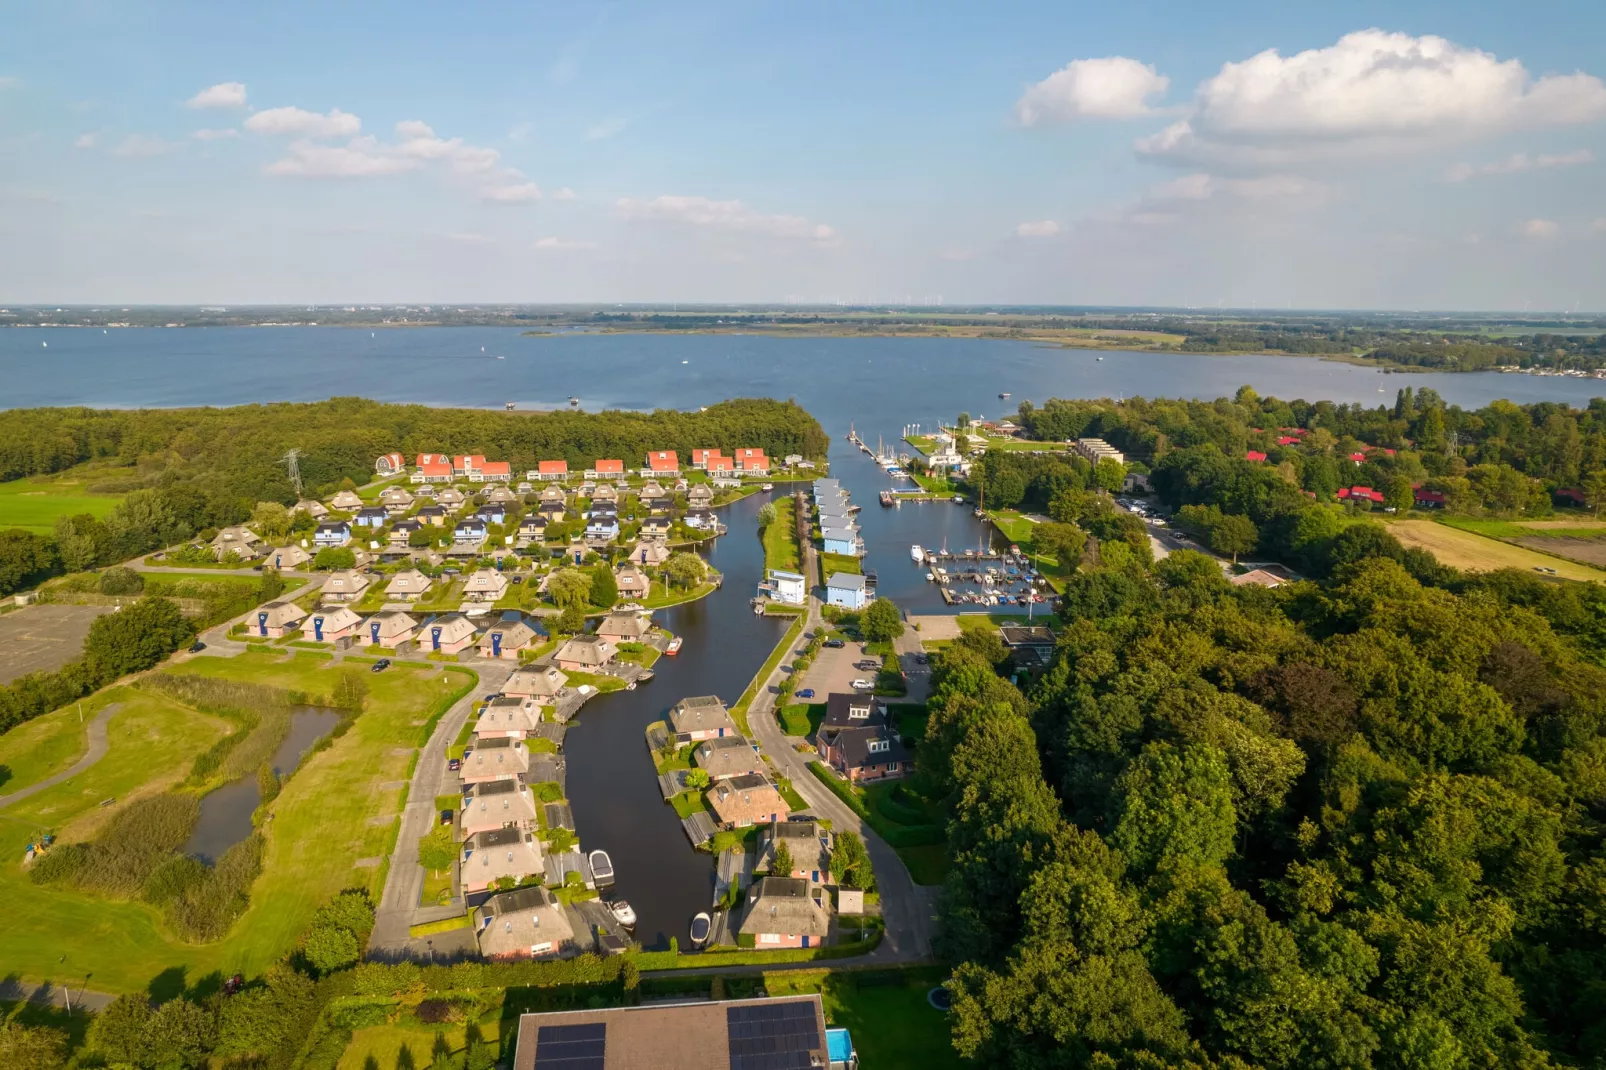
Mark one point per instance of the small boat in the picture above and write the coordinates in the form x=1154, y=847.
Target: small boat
x=959, y=499
x=1101, y=358
x=674, y=646
x=601, y=868
x=916, y=554
x=929, y=577
x=500, y=357
x=645, y=676
x=980, y=513
x=574, y=401
x=1005, y=393
x=624, y=912
x=701, y=928
x=767, y=486
x=758, y=607
x=631, y=686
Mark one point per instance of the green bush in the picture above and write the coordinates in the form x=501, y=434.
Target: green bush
x=120, y=580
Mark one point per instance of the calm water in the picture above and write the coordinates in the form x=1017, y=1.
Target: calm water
x=611, y=782
x=226, y=813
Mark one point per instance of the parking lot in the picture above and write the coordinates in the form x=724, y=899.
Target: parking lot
x=833, y=670
x=43, y=638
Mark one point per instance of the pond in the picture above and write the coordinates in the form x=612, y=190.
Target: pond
x=226, y=813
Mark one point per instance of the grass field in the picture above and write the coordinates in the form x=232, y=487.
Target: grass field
x=45, y=746
x=384, y=1045
x=35, y=505
x=319, y=833
x=891, y=1023
x=780, y=538
x=1468, y=550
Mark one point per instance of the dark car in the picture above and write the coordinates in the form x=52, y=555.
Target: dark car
x=446, y=817
x=518, y=579
x=807, y=692
x=381, y=665
x=197, y=646
x=921, y=659
x=835, y=644
x=454, y=764
x=867, y=663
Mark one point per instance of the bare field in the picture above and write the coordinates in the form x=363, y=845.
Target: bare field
x=43, y=638
x=1476, y=553
x=1585, y=551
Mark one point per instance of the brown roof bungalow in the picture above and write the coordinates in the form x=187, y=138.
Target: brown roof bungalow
x=506, y=639
x=631, y=581
x=729, y=755
x=448, y=634
x=526, y=923
x=485, y=585
x=701, y=717
x=408, y=583
x=585, y=653
x=346, y=585
x=807, y=842
x=497, y=804
x=496, y=758
x=275, y=619
x=781, y=912
x=540, y=684
x=624, y=627
x=746, y=800
x=391, y=628
x=738, y=1034
x=490, y=856
x=287, y=557
x=508, y=716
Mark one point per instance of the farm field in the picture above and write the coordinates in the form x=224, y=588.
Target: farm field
x=35, y=505
x=1477, y=553
x=1585, y=550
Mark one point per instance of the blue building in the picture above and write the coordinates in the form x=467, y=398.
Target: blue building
x=848, y=590
x=469, y=530
x=494, y=513
x=374, y=516
x=840, y=538
x=332, y=533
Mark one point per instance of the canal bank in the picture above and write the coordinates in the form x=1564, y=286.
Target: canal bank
x=612, y=785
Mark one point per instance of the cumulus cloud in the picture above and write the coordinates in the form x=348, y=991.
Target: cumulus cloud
x=1042, y=228
x=516, y=193
x=1541, y=228
x=565, y=194
x=222, y=95
x=555, y=244
x=1518, y=163
x=138, y=145
x=722, y=215
x=86, y=141
x=1371, y=90
x=226, y=134
x=362, y=157
x=1114, y=87
x=297, y=122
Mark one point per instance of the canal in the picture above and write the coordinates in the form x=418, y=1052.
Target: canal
x=611, y=781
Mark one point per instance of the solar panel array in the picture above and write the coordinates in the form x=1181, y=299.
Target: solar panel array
x=570, y=1047
x=773, y=1036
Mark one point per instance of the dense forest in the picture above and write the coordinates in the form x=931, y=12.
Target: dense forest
x=187, y=470
x=1346, y=823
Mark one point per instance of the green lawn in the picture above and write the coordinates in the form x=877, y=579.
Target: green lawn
x=782, y=648
x=320, y=828
x=659, y=599
x=384, y=1046
x=911, y=826
x=885, y=1011
x=831, y=564
x=688, y=803
x=780, y=538
x=45, y=746
x=35, y=504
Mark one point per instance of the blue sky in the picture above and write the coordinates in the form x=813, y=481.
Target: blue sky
x=1402, y=155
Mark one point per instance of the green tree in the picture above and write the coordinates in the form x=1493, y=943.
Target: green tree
x=437, y=850
x=179, y=1034
x=136, y=637
x=334, y=557
x=421, y=539
x=697, y=779
x=270, y=586
x=25, y=559
x=270, y=520
x=31, y=1047
x=1398, y=494
x=1109, y=474
x=1234, y=535
x=568, y=587
x=685, y=569
x=117, y=1033
x=604, y=589
x=850, y=862
x=1594, y=490
x=1063, y=542
x=76, y=541
x=880, y=622
x=766, y=514
x=572, y=621
x=783, y=859
x=120, y=580
x=1176, y=803
x=329, y=948
x=351, y=690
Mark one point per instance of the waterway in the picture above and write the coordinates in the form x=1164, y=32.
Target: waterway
x=226, y=813
x=611, y=781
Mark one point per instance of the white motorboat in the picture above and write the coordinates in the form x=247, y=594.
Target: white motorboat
x=601, y=868
x=767, y=486
x=624, y=912
x=917, y=554
x=701, y=927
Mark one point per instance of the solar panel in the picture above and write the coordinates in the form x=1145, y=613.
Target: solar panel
x=570, y=1047
x=772, y=1036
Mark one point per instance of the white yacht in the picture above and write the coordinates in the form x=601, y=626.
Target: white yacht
x=916, y=554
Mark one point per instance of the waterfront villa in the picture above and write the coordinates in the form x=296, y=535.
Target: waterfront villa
x=407, y=584
x=331, y=626
x=485, y=585
x=730, y=755
x=847, y=589
x=506, y=640
x=699, y=458
x=699, y=495
x=391, y=628
x=345, y=585
x=687, y=1036
x=840, y=538
x=750, y=799
x=651, y=552
x=585, y=653
x=242, y=542
x=699, y=520
x=509, y=716
x=449, y=634
x=526, y=923
x=276, y=619
x=624, y=627
x=346, y=501
x=701, y=717
x=721, y=467
x=752, y=461
x=496, y=758
x=497, y=804
x=288, y=557
x=858, y=740
x=631, y=581
x=331, y=533
x=541, y=684
x=807, y=842
x=490, y=856
x=782, y=912
x=788, y=588
x=656, y=530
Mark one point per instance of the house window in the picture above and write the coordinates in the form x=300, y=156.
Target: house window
x=769, y=938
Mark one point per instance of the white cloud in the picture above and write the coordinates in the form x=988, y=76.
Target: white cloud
x=1541, y=228
x=1201, y=186
x=1518, y=163
x=722, y=215
x=564, y=245
x=1370, y=91
x=1194, y=187
x=606, y=129
x=1042, y=228
x=225, y=134
x=362, y=157
x=222, y=95
x=565, y=194
x=1114, y=87
x=138, y=145
x=86, y=141
x=296, y=122
x=517, y=193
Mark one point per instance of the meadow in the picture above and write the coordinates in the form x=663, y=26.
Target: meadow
x=34, y=505
x=1475, y=552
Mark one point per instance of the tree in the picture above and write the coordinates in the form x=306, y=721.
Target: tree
x=334, y=557
x=881, y=622
x=1176, y=803
x=572, y=621
x=568, y=587
x=1233, y=534
x=421, y=539
x=25, y=559
x=136, y=637
x=850, y=862
x=121, y=580
x=766, y=514
x=783, y=859
x=270, y=586
x=697, y=779
x=180, y=1034
x=1063, y=542
x=437, y=850
x=1109, y=474
x=1398, y=494
x=1594, y=491
x=270, y=520
x=117, y=1033
x=685, y=569
x=329, y=948
x=77, y=542
x=351, y=690
x=604, y=589
x=31, y=1047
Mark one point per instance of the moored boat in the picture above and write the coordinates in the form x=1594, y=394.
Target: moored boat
x=624, y=912
x=916, y=554
x=601, y=868
x=674, y=646
x=701, y=927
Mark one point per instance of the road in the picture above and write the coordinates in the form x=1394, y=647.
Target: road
x=95, y=752
x=405, y=883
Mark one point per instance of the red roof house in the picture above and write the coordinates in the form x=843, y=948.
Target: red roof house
x=552, y=469
x=663, y=461
x=493, y=470
x=723, y=466
x=1571, y=494
x=1429, y=499
x=1357, y=493
x=1254, y=455
x=467, y=463
x=1288, y=440
x=433, y=458
x=437, y=471
x=609, y=468
x=389, y=464
x=1357, y=457
x=699, y=458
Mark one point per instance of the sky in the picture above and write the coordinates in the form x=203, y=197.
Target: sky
x=1401, y=155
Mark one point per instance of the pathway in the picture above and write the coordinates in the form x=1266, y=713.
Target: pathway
x=13, y=990
x=96, y=751
x=405, y=883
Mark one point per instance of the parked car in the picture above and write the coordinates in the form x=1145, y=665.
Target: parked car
x=807, y=692
x=868, y=664
x=835, y=644
x=454, y=764
x=197, y=646
x=921, y=659
x=381, y=665
x=446, y=817
x=862, y=685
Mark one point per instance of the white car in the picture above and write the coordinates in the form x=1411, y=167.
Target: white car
x=862, y=684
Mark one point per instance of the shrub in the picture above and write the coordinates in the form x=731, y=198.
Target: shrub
x=329, y=948
x=120, y=579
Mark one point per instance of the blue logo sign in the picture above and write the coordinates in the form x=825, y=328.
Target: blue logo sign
x=373, y=630
x=317, y=628
x=496, y=644
x=262, y=623
x=435, y=637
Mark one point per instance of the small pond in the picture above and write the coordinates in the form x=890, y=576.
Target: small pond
x=226, y=813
